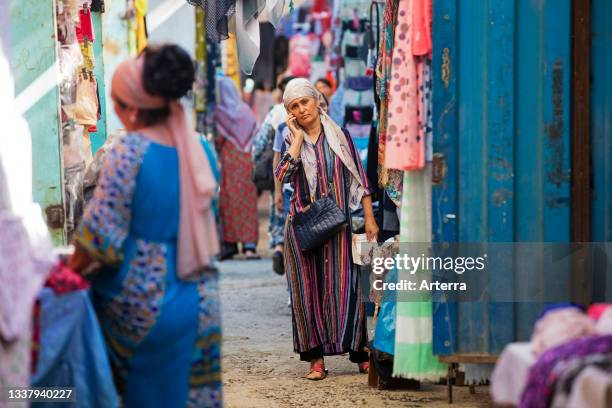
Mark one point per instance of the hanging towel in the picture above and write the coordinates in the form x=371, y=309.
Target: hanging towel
x=414, y=356
x=404, y=148
x=274, y=9
x=421, y=27
x=230, y=60
x=141, y=25
x=247, y=32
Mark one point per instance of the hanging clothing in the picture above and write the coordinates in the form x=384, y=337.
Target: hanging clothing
x=141, y=24
x=163, y=332
x=421, y=27
x=71, y=343
x=247, y=33
x=85, y=27
x=405, y=147
x=384, y=76
x=414, y=356
x=230, y=64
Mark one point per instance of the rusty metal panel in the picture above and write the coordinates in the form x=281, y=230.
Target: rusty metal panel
x=502, y=123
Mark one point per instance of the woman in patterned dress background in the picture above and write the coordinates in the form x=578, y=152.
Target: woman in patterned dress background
x=236, y=127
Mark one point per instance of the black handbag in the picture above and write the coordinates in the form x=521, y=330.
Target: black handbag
x=319, y=222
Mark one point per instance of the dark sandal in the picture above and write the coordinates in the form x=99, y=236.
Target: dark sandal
x=364, y=367
x=277, y=263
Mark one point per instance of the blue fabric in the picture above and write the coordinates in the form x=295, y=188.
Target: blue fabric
x=336, y=106
x=384, y=339
x=279, y=137
x=72, y=351
x=163, y=333
x=287, y=201
x=214, y=164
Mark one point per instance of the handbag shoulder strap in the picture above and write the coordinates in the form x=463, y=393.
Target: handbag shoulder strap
x=329, y=165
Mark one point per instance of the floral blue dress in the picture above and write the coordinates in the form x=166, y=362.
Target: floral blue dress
x=163, y=334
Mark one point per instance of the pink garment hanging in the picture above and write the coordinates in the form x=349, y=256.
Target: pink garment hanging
x=404, y=147
x=421, y=27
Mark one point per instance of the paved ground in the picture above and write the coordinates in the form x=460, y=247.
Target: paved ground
x=261, y=370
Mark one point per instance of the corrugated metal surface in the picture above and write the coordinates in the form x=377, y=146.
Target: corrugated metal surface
x=502, y=126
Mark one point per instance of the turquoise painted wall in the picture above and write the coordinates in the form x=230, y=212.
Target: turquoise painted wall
x=98, y=138
x=33, y=56
x=115, y=50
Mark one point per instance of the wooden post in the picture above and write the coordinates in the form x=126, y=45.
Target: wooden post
x=582, y=276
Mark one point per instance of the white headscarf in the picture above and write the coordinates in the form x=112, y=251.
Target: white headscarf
x=336, y=138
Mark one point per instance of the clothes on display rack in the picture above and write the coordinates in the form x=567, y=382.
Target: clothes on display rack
x=383, y=75
x=79, y=96
x=414, y=358
x=404, y=148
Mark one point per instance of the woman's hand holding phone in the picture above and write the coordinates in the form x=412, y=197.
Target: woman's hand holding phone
x=294, y=127
x=297, y=136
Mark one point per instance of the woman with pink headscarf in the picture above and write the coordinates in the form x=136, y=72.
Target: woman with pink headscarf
x=149, y=233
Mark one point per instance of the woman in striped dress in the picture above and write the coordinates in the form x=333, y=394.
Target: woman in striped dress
x=326, y=295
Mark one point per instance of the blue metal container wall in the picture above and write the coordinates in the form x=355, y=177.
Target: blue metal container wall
x=601, y=120
x=601, y=134
x=502, y=125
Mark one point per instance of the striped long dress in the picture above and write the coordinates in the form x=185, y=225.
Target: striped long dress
x=326, y=294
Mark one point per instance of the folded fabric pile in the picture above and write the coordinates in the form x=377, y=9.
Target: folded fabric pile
x=567, y=363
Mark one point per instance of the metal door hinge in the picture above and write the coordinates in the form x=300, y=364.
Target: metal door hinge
x=438, y=171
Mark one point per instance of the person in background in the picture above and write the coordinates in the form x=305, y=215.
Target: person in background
x=325, y=87
x=149, y=235
x=326, y=294
x=236, y=128
x=263, y=141
x=261, y=101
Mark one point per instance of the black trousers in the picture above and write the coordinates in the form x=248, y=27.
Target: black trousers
x=317, y=352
